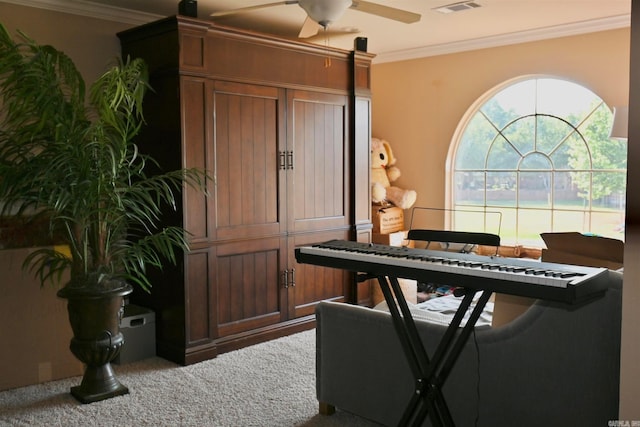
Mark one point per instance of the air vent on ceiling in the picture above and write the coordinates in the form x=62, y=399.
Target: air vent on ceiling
x=457, y=7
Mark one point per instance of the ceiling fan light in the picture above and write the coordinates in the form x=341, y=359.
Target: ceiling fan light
x=325, y=12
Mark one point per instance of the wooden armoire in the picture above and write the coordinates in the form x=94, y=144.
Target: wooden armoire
x=283, y=130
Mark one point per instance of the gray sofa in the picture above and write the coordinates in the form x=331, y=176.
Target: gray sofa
x=555, y=365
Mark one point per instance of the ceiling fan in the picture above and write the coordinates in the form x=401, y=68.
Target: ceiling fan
x=322, y=13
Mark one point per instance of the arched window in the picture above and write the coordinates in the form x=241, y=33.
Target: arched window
x=538, y=151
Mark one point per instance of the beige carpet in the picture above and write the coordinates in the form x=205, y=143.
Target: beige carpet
x=267, y=385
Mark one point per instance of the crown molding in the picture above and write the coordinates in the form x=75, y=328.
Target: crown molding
x=592, y=26
x=134, y=17
x=92, y=10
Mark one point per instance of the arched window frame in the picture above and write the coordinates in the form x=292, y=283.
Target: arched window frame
x=452, y=207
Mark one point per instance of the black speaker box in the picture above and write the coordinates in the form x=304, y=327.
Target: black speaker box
x=361, y=44
x=188, y=8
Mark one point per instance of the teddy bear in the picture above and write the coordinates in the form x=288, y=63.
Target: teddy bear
x=383, y=173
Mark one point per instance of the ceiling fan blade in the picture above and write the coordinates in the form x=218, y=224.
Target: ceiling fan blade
x=333, y=33
x=309, y=28
x=251, y=8
x=385, y=11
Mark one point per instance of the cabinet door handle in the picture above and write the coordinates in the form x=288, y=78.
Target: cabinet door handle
x=289, y=159
x=292, y=282
x=285, y=279
x=282, y=160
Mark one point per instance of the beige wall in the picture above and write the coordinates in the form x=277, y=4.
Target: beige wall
x=418, y=104
x=34, y=327
x=91, y=43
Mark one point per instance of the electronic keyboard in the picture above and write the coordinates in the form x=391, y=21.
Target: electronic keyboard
x=514, y=276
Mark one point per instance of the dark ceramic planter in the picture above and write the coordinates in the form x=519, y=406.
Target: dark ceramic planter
x=95, y=320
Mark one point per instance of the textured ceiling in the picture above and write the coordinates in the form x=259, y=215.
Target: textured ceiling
x=495, y=22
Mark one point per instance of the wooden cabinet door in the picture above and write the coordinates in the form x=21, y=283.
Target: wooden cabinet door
x=317, y=154
x=249, y=180
x=247, y=284
x=313, y=284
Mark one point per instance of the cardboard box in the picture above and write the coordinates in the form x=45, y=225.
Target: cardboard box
x=563, y=248
x=580, y=249
x=409, y=290
x=507, y=308
x=517, y=251
x=397, y=238
x=387, y=219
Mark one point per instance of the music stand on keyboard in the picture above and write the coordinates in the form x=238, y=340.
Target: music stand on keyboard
x=430, y=374
x=464, y=237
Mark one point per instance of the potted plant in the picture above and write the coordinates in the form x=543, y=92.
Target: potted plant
x=76, y=163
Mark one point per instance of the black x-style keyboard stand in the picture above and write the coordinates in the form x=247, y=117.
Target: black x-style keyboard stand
x=429, y=373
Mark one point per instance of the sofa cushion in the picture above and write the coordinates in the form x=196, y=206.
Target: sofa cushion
x=442, y=309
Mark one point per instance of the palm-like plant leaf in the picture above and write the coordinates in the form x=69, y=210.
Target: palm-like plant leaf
x=80, y=166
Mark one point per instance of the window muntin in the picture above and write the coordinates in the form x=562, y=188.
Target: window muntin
x=539, y=151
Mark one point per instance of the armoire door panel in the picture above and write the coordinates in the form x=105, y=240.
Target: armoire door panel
x=248, y=284
x=198, y=293
x=246, y=157
x=312, y=283
x=317, y=134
